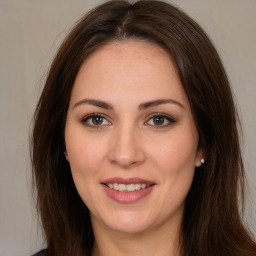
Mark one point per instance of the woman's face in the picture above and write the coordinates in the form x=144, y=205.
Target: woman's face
x=130, y=137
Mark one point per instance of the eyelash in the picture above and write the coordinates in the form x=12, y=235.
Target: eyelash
x=167, y=118
x=93, y=115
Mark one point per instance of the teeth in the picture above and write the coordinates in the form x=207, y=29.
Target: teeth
x=127, y=188
x=121, y=187
x=131, y=187
x=115, y=186
x=137, y=186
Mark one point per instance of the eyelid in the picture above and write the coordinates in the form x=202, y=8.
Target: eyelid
x=85, y=118
x=169, y=118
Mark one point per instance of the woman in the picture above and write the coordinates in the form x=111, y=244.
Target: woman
x=135, y=142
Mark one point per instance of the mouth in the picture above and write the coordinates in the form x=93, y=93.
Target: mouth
x=129, y=190
x=127, y=187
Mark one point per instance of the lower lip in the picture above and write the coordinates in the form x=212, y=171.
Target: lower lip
x=127, y=197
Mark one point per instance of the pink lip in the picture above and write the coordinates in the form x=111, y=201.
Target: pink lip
x=127, y=197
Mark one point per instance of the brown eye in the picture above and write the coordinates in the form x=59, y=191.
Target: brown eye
x=158, y=120
x=95, y=120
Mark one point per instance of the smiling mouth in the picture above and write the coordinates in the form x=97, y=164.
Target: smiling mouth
x=127, y=187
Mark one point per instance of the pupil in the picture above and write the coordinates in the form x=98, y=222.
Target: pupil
x=159, y=120
x=97, y=120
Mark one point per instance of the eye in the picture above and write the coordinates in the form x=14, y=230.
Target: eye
x=160, y=120
x=95, y=120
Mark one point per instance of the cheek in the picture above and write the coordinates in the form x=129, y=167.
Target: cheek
x=174, y=163
x=85, y=158
x=85, y=155
x=173, y=159
x=175, y=153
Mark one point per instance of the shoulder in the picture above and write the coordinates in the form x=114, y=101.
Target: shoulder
x=41, y=253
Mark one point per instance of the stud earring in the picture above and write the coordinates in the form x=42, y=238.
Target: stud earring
x=202, y=160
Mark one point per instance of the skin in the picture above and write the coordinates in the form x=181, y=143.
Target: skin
x=129, y=142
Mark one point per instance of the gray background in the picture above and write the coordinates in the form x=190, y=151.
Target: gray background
x=31, y=31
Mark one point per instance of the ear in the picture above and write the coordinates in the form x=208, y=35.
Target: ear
x=66, y=155
x=200, y=158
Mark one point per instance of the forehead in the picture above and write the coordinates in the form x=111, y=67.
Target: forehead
x=129, y=67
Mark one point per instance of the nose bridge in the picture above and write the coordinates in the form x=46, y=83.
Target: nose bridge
x=127, y=149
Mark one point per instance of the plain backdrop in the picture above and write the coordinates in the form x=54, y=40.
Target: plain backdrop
x=30, y=33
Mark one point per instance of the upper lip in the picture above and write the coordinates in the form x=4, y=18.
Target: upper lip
x=133, y=180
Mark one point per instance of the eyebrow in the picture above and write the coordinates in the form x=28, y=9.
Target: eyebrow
x=97, y=103
x=142, y=106
x=154, y=103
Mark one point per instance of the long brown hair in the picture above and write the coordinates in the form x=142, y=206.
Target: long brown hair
x=212, y=224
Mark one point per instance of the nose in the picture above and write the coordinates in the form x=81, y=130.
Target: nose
x=126, y=148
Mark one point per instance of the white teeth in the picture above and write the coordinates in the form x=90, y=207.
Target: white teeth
x=115, y=185
x=122, y=187
x=137, y=186
x=131, y=187
x=127, y=188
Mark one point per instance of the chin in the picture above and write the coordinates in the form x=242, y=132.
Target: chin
x=129, y=223
x=134, y=228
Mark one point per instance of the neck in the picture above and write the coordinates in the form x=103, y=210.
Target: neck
x=159, y=241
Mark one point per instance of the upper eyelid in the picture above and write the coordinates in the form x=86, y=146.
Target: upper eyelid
x=161, y=114
x=95, y=114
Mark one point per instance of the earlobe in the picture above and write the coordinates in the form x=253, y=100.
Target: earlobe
x=66, y=155
x=200, y=158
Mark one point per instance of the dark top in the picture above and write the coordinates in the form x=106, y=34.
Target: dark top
x=41, y=253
